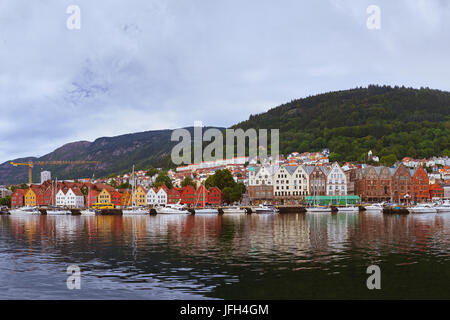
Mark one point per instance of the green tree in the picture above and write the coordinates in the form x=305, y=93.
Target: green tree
x=113, y=183
x=151, y=172
x=6, y=201
x=221, y=179
x=188, y=181
x=388, y=160
x=125, y=185
x=161, y=179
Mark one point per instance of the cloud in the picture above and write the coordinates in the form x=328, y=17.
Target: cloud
x=143, y=65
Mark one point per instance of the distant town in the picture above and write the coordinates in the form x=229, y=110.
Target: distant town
x=294, y=179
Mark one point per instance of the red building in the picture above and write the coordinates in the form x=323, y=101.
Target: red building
x=48, y=194
x=188, y=195
x=201, y=196
x=17, y=198
x=116, y=198
x=214, y=196
x=420, y=185
x=91, y=197
x=435, y=190
x=39, y=196
x=173, y=196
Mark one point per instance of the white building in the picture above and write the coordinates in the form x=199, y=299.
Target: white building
x=161, y=196
x=336, y=181
x=151, y=197
x=72, y=198
x=60, y=198
x=291, y=182
x=45, y=175
x=261, y=175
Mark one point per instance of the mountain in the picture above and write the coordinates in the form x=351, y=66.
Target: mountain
x=115, y=154
x=393, y=122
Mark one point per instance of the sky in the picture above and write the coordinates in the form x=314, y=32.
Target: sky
x=144, y=65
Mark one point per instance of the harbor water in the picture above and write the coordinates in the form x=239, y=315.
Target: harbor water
x=235, y=256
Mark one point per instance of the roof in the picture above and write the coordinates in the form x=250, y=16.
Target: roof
x=308, y=169
x=291, y=169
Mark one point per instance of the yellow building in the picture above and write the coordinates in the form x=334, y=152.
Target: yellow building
x=140, y=196
x=30, y=198
x=104, y=196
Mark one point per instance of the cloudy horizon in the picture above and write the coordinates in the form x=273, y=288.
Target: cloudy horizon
x=147, y=65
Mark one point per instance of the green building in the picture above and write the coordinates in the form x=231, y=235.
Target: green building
x=332, y=200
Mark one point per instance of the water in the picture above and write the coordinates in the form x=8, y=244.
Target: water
x=291, y=256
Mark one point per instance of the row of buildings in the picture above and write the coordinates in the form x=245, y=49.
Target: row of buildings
x=79, y=195
x=291, y=184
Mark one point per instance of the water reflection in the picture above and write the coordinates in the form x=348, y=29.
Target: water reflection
x=231, y=256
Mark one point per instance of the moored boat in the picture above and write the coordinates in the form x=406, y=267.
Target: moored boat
x=171, y=209
x=348, y=209
x=422, y=208
x=206, y=211
x=376, y=207
x=266, y=209
x=233, y=209
x=25, y=210
x=135, y=211
x=443, y=207
x=318, y=209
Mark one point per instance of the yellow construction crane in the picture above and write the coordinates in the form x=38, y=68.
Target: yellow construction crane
x=30, y=165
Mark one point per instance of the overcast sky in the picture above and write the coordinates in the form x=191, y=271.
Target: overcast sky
x=150, y=64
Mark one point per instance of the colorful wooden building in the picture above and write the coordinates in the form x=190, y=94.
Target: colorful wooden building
x=188, y=195
x=214, y=196
x=173, y=196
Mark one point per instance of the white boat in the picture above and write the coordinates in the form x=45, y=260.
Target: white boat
x=422, y=208
x=266, y=209
x=25, y=210
x=171, y=209
x=318, y=209
x=375, y=207
x=88, y=212
x=233, y=209
x=348, y=209
x=135, y=211
x=206, y=211
x=57, y=212
x=443, y=207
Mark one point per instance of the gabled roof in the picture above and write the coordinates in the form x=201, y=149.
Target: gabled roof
x=308, y=169
x=77, y=192
x=291, y=169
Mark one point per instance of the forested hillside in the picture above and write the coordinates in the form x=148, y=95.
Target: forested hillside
x=392, y=122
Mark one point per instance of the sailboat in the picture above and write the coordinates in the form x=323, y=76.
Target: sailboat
x=134, y=210
x=89, y=211
x=54, y=210
x=348, y=208
x=316, y=208
x=204, y=210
